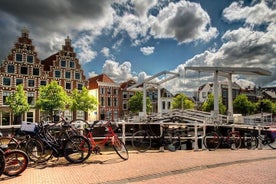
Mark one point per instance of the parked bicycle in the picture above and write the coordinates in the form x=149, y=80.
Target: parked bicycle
x=43, y=146
x=214, y=139
x=15, y=161
x=145, y=139
x=266, y=137
x=15, y=141
x=110, y=137
x=2, y=162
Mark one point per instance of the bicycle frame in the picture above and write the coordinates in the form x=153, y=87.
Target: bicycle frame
x=109, y=137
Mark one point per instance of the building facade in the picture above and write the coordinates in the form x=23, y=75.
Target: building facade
x=22, y=66
x=108, y=94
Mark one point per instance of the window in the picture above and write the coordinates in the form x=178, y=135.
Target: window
x=6, y=81
x=43, y=83
x=79, y=86
x=163, y=105
x=19, y=81
x=6, y=118
x=102, y=90
x=5, y=95
x=10, y=68
x=67, y=75
x=108, y=101
x=31, y=83
x=30, y=117
x=77, y=75
x=124, y=95
x=169, y=105
x=72, y=64
x=102, y=101
x=24, y=70
x=68, y=85
x=63, y=63
x=115, y=91
x=115, y=101
x=57, y=74
x=124, y=105
x=30, y=59
x=18, y=57
x=35, y=71
x=31, y=98
x=204, y=95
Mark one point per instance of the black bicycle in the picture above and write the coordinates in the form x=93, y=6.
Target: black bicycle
x=143, y=140
x=214, y=139
x=75, y=148
x=252, y=139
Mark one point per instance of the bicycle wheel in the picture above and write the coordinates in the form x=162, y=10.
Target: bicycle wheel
x=141, y=141
x=16, y=162
x=77, y=149
x=271, y=142
x=250, y=141
x=212, y=141
x=173, y=143
x=2, y=162
x=234, y=140
x=120, y=148
x=38, y=152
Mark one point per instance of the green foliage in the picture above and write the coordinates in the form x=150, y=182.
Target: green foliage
x=135, y=103
x=273, y=108
x=18, y=101
x=82, y=100
x=264, y=105
x=242, y=105
x=52, y=96
x=181, y=101
x=208, y=105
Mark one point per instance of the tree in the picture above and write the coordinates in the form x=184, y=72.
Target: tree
x=242, y=105
x=135, y=103
x=208, y=105
x=82, y=100
x=264, y=105
x=181, y=101
x=18, y=103
x=52, y=96
x=273, y=108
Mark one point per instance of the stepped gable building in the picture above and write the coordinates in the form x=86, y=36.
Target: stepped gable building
x=108, y=94
x=65, y=68
x=22, y=66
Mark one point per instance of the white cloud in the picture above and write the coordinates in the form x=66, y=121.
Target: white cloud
x=118, y=72
x=183, y=21
x=257, y=14
x=147, y=50
x=105, y=51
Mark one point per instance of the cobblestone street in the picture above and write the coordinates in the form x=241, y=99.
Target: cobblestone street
x=221, y=166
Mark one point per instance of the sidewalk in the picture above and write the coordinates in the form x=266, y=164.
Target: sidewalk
x=220, y=166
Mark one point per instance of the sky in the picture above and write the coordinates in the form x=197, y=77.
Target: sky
x=136, y=39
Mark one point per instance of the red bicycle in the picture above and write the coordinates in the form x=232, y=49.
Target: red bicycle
x=111, y=137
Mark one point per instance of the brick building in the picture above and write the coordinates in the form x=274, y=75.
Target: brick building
x=22, y=66
x=108, y=94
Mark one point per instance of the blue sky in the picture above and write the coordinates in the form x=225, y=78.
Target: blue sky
x=135, y=39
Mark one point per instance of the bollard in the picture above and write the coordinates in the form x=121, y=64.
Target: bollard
x=259, y=134
x=124, y=132
x=196, y=137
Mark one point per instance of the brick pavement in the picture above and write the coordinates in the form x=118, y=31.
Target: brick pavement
x=220, y=166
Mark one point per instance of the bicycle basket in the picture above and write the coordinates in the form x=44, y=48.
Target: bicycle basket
x=29, y=127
